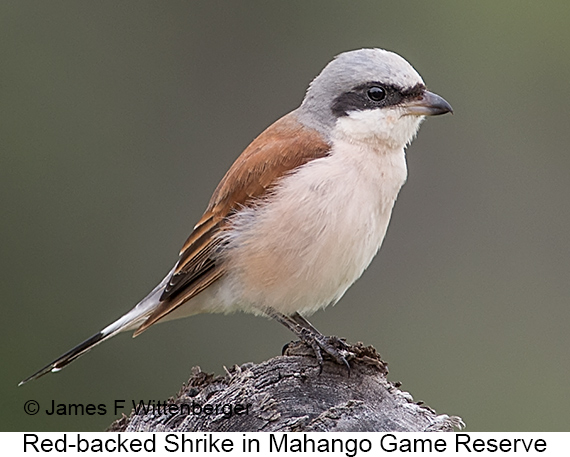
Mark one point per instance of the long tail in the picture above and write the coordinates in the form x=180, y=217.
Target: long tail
x=129, y=321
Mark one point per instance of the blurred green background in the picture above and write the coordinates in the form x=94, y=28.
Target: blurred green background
x=119, y=118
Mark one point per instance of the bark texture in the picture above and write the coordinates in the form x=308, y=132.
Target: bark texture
x=288, y=393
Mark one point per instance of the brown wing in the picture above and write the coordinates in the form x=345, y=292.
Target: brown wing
x=281, y=148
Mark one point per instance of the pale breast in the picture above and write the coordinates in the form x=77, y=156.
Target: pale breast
x=306, y=243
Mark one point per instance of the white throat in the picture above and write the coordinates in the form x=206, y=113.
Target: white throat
x=388, y=129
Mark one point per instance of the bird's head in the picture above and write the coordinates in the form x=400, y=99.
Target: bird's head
x=371, y=96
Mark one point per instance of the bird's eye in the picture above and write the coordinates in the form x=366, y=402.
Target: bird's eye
x=376, y=93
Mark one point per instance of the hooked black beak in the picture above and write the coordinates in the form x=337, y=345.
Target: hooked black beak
x=428, y=104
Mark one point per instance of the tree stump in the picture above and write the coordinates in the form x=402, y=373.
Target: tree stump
x=288, y=393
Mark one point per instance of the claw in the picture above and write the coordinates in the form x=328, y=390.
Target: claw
x=284, y=348
x=321, y=343
x=335, y=347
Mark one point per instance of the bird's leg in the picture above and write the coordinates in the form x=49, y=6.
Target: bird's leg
x=303, y=333
x=303, y=322
x=334, y=340
x=307, y=333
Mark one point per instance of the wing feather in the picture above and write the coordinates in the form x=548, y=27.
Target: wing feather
x=280, y=149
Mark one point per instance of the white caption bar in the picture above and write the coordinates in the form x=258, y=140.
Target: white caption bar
x=284, y=444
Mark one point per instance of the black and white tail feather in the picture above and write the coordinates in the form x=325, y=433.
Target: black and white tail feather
x=130, y=321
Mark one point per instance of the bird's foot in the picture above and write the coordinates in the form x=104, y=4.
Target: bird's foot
x=335, y=347
x=331, y=345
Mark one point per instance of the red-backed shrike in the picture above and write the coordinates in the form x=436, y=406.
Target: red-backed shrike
x=302, y=211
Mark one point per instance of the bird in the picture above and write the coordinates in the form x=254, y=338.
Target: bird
x=302, y=211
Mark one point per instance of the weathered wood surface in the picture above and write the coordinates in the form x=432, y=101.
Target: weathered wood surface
x=288, y=393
